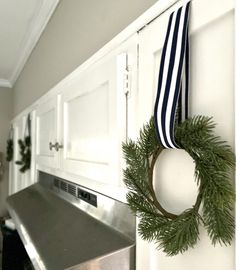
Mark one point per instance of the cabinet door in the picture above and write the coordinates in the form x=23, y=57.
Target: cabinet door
x=26, y=177
x=32, y=176
x=47, y=131
x=18, y=180
x=94, y=112
x=16, y=176
x=212, y=93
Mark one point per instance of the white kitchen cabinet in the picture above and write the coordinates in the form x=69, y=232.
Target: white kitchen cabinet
x=18, y=180
x=212, y=93
x=16, y=177
x=88, y=119
x=48, y=132
x=94, y=118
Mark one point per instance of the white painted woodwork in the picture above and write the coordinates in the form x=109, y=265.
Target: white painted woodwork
x=11, y=178
x=94, y=113
x=15, y=181
x=26, y=176
x=212, y=93
x=47, y=131
x=33, y=174
x=89, y=106
x=18, y=180
x=87, y=115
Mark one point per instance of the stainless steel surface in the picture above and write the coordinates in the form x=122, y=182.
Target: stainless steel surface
x=109, y=211
x=115, y=261
x=62, y=235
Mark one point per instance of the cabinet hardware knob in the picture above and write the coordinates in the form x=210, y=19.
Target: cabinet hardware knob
x=58, y=146
x=51, y=146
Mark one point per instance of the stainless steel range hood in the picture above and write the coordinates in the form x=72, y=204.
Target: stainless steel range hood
x=64, y=226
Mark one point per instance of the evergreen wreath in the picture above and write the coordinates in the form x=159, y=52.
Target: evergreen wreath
x=25, y=150
x=213, y=159
x=9, y=156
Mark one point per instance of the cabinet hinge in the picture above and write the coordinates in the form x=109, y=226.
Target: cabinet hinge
x=127, y=81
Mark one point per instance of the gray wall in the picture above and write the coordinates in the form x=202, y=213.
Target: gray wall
x=77, y=29
x=5, y=117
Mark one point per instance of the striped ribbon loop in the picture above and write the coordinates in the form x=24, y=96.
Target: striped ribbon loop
x=173, y=83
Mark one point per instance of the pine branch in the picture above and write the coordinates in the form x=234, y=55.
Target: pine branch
x=219, y=224
x=141, y=205
x=131, y=154
x=136, y=172
x=180, y=234
x=150, y=226
x=147, y=141
x=134, y=180
x=194, y=130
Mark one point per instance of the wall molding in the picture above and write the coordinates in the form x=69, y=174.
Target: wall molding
x=30, y=39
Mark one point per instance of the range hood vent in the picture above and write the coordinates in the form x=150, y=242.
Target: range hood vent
x=72, y=190
x=74, y=228
x=64, y=186
x=75, y=191
x=56, y=182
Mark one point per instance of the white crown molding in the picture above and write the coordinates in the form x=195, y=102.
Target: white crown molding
x=5, y=83
x=32, y=36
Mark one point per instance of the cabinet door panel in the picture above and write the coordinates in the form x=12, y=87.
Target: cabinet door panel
x=89, y=122
x=46, y=133
x=212, y=93
x=16, y=175
x=94, y=121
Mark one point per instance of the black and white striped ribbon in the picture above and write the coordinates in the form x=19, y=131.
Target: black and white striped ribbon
x=173, y=83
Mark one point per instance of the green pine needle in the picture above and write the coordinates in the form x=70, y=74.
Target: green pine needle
x=180, y=234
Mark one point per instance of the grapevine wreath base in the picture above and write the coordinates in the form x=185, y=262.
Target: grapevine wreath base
x=213, y=163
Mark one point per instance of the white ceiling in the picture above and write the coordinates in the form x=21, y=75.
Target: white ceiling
x=21, y=24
